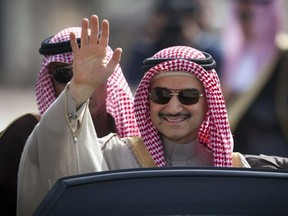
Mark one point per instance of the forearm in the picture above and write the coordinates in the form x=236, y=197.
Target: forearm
x=55, y=138
x=47, y=156
x=71, y=138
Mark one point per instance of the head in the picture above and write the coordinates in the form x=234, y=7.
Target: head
x=115, y=96
x=179, y=99
x=57, y=71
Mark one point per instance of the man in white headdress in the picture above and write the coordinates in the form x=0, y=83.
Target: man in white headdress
x=110, y=106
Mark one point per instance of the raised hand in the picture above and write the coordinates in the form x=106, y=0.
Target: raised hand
x=91, y=66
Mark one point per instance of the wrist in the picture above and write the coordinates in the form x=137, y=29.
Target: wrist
x=79, y=93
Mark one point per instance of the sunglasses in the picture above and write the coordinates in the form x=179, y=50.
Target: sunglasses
x=186, y=96
x=63, y=74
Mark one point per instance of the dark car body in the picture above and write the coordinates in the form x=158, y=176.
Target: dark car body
x=170, y=191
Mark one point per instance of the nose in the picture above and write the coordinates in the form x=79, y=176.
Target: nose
x=174, y=106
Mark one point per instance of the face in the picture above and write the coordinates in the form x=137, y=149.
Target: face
x=97, y=102
x=178, y=122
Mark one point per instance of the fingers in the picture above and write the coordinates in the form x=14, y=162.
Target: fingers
x=116, y=57
x=114, y=61
x=84, y=32
x=104, y=37
x=94, y=29
x=73, y=42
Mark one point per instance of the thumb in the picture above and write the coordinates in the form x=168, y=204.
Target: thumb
x=114, y=61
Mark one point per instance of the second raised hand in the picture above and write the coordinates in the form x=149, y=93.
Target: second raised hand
x=91, y=65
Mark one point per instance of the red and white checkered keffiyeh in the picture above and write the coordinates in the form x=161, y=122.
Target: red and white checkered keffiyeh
x=214, y=131
x=119, y=102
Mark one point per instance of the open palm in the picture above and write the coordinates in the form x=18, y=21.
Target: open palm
x=91, y=66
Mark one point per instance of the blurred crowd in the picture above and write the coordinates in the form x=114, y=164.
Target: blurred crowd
x=253, y=74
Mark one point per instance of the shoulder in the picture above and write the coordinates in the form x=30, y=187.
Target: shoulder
x=140, y=151
x=117, y=152
x=22, y=125
x=14, y=137
x=113, y=142
x=132, y=146
x=110, y=140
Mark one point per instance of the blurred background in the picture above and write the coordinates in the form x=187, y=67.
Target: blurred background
x=26, y=23
x=134, y=24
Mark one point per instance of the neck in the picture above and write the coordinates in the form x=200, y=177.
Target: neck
x=188, y=154
x=170, y=147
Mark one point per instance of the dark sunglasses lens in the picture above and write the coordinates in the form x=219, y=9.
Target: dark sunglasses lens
x=63, y=74
x=160, y=96
x=189, y=96
x=163, y=96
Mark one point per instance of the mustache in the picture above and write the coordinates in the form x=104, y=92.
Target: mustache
x=161, y=114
